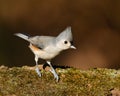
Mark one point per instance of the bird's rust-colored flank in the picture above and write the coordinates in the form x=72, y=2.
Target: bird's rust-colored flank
x=33, y=47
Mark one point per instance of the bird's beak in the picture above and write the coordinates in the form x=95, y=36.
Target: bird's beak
x=73, y=47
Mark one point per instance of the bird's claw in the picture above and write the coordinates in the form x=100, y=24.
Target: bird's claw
x=56, y=78
x=38, y=71
x=55, y=75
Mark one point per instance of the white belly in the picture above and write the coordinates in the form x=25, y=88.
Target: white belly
x=45, y=55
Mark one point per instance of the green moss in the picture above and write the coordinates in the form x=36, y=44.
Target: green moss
x=20, y=81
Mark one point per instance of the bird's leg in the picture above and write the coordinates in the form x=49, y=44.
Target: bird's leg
x=37, y=68
x=53, y=71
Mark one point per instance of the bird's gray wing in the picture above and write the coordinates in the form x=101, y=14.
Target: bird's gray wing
x=41, y=41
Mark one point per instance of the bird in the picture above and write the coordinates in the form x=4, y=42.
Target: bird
x=48, y=47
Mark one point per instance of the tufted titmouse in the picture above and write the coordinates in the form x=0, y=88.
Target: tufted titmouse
x=47, y=47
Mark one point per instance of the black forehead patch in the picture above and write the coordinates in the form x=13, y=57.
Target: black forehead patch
x=71, y=42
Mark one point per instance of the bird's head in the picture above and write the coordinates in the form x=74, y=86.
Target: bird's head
x=65, y=40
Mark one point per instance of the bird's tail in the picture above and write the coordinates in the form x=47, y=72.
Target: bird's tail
x=25, y=37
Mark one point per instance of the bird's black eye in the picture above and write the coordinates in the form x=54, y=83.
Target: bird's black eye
x=65, y=42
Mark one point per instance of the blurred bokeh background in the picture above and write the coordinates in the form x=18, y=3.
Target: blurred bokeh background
x=95, y=26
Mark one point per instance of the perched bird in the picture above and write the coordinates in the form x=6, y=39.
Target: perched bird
x=47, y=47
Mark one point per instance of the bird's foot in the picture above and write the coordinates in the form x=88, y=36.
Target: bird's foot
x=55, y=75
x=38, y=71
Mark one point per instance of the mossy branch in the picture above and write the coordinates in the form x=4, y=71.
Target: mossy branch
x=23, y=81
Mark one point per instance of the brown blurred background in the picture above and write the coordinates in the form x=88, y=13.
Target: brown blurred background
x=95, y=26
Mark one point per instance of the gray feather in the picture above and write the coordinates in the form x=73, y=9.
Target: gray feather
x=38, y=41
x=66, y=34
x=25, y=37
x=41, y=41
